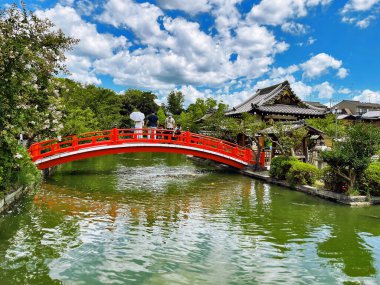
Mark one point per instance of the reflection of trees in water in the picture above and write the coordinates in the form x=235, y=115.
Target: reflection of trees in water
x=288, y=221
x=30, y=238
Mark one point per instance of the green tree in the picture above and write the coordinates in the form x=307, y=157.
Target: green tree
x=31, y=53
x=79, y=121
x=329, y=125
x=134, y=99
x=198, y=109
x=102, y=105
x=288, y=138
x=175, y=102
x=351, y=156
x=161, y=116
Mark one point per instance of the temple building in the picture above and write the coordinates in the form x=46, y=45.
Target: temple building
x=277, y=103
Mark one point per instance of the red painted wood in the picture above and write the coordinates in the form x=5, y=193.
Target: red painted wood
x=130, y=136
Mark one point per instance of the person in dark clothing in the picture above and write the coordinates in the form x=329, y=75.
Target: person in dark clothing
x=152, y=121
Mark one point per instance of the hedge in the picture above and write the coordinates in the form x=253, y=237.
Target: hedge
x=280, y=165
x=333, y=181
x=301, y=173
x=371, y=179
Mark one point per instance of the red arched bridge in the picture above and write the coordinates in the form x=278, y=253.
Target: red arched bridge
x=54, y=152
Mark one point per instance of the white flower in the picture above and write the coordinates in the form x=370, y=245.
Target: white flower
x=18, y=156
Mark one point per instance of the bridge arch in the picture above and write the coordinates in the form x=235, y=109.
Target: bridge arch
x=50, y=153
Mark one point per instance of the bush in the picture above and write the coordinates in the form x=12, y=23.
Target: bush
x=333, y=181
x=16, y=167
x=371, y=179
x=301, y=173
x=280, y=165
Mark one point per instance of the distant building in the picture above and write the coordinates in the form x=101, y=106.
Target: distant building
x=278, y=103
x=349, y=107
x=372, y=117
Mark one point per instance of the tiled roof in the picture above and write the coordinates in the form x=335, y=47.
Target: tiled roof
x=261, y=96
x=264, y=98
x=316, y=104
x=371, y=115
x=289, y=109
x=359, y=104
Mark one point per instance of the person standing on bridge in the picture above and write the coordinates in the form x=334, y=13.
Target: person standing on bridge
x=169, y=122
x=151, y=122
x=138, y=118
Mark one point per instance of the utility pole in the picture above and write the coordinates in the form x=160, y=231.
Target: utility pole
x=336, y=123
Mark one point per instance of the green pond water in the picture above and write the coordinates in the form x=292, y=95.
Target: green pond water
x=161, y=219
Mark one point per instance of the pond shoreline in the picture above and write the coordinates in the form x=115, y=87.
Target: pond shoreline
x=12, y=198
x=360, y=201
x=357, y=201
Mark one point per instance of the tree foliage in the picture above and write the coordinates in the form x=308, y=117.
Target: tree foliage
x=329, y=125
x=134, y=99
x=31, y=53
x=175, y=102
x=287, y=138
x=350, y=157
x=88, y=108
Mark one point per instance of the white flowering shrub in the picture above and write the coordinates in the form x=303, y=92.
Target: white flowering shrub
x=31, y=54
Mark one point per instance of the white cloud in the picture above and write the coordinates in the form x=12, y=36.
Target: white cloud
x=81, y=69
x=319, y=65
x=281, y=72
x=142, y=19
x=369, y=96
x=324, y=90
x=363, y=24
x=191, y=7
x=301, y=89
x=181, y=54
x=342, y=73
x=344, y=91
x=191, y=94
x=309, y=42
x=277, y=12
x=226, y=16
x=359, y=5
x=91, y=42
x=294, y=28
x=93, y=45
x=360, y=12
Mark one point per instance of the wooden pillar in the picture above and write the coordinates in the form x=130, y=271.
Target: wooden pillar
x=305, y=150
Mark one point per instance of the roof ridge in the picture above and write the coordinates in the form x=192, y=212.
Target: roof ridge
x=270, y=94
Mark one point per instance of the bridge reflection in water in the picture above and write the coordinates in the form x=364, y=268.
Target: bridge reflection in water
x=102, y=220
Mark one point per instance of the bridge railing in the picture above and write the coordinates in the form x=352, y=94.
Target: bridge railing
x=114, y=136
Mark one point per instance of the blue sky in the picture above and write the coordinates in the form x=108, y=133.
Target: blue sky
x=226, y=49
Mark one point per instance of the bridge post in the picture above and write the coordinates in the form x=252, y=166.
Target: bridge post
x=248, y=155
x=74, y=143
x=262, y=159
x=187, y=137
x=115, y=135
x=35, y=150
